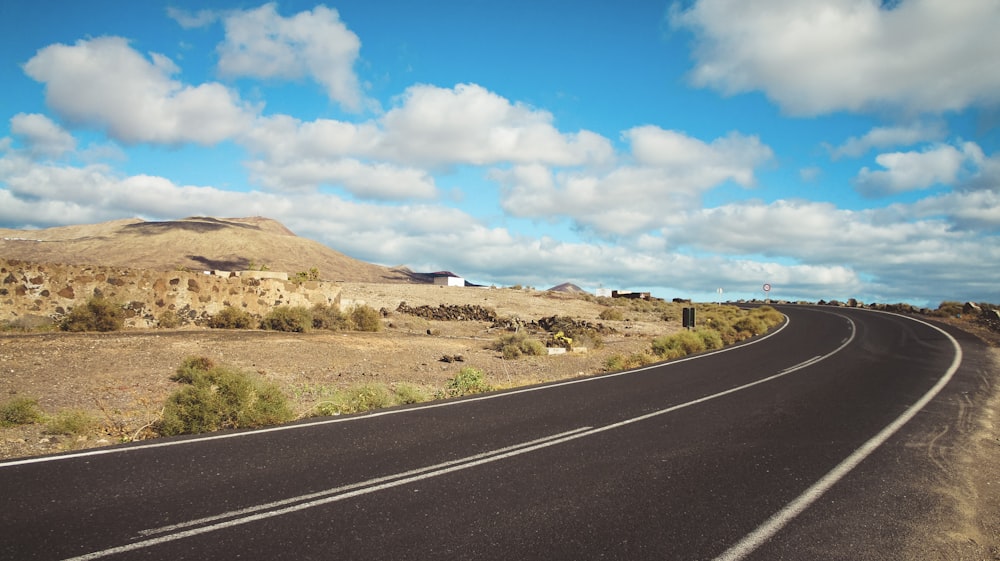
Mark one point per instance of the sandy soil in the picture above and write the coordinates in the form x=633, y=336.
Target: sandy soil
x=122, y=378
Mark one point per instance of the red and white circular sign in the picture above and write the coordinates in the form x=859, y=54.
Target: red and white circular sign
x=767, y=287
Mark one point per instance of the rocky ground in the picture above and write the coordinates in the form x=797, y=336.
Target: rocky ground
x=122, y=379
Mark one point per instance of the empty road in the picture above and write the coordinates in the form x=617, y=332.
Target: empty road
x=810, y=443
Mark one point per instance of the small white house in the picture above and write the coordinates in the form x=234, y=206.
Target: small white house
x=447, y=280
x=605, y=292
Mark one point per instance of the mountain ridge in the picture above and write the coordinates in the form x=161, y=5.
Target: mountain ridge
x=193, y=243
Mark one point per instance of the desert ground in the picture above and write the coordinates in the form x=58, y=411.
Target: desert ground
x=123, y=378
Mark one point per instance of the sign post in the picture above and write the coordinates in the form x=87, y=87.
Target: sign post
x=767, y=292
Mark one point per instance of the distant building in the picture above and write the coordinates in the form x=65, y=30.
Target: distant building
x=444, y=278
x=629, y=294
x=603, y=292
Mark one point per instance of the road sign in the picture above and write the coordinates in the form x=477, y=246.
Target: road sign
x=767, y=287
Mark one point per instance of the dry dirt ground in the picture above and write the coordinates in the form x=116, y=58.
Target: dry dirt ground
x=122, y=379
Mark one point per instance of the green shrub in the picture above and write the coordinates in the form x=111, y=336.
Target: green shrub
x=616, y=363
x=232, y=318
x=365, y=318
x=97, y=314
x=168, y=320
x=295, y=319
x=611, y=314
x=217, y=398
x=468, y=381
x=678, y=345
x=19, y=411
x=711, y=338
x=407, y=394
x=325, y=316
x=72, y=422
x=513, y=345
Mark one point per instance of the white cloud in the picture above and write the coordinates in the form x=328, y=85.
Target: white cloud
x=886, y=137
x=670, y=174
x=432, y=127
x=908, y=171
x=469, y=124
x=378, y=181
x=42, y=136
x=105, y=83
x=191, y=20
x=315, y=43
x=821, y=56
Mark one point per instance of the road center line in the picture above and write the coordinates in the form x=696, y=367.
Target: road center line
x=288, y=506
x=780, y=519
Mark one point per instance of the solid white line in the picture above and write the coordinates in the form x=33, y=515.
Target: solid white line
x=776, y=522
x=374, y=485
x=296, y=426
x=344, y=488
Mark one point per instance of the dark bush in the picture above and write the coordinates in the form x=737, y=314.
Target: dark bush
x=288, y=318
x=233, y=318
x=98, y=314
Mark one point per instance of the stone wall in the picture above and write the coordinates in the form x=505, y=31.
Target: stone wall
x=33, y=290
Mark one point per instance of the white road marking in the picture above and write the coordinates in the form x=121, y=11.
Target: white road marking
x=450, y=403
x=295, y=504
x=776, y=522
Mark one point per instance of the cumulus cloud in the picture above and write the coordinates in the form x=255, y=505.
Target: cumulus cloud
x=379, y=181
x=670, y=173
x=104, y=82
x=886, y=137
x=42, y=136
x=820, y=56
x=315, y=43
x=908, y=171
x=472, y=125
x=431, y=127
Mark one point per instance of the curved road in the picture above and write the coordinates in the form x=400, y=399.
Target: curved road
x=815, y=442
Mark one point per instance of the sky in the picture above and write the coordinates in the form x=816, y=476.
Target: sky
x=830, y=149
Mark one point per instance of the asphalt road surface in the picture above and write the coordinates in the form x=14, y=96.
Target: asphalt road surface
x=815, y=442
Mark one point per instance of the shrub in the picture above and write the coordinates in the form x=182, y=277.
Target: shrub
x=295, y=319
x=678, y=345
x=611, y=314
x=19, y=411
x=617, y=362
x=232, y=318
x=468, y=381
x=329, y=317
x=407, y=394
x=97, y=314
x=365, y=318
x=365, y=398
x=711, y=338
x=70, y=422
x=513, y=345
x=168, y=320
x=217, y=398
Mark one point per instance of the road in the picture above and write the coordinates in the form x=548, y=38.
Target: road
x=810, y=443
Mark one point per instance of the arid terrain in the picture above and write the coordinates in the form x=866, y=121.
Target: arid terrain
x=121, y=379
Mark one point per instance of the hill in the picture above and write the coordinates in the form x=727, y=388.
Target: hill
x=195, y=243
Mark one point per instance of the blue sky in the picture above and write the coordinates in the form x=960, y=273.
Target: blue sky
x=830, y=148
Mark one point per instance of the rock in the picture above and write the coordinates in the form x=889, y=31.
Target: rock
x=971, y=308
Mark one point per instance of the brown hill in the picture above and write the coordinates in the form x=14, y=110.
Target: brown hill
x=196, y=243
